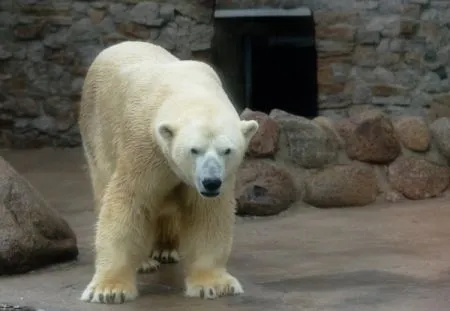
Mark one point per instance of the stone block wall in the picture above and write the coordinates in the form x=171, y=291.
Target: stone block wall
x=46, y=47
x=389, y=54
x=393, y=55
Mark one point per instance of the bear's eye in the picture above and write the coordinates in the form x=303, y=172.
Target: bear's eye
x=227, y=151
x=195, y=151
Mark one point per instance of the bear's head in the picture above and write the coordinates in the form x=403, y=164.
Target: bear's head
x=205, y=153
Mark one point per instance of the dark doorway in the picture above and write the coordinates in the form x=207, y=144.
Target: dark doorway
x=267, y=59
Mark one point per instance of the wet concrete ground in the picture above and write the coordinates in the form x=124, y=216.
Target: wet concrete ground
x=382, y=257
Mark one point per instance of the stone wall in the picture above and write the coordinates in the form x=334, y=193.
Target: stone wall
x=369, y=157
x=391, y=54
x=46, y=47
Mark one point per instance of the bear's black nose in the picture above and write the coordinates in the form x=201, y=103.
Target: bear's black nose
x=211, y=184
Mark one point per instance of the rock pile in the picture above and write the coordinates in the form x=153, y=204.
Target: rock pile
x=342, y=162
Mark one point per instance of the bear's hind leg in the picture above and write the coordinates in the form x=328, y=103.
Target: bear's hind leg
x=121, y=243
x=205, y=247
x=167, y=233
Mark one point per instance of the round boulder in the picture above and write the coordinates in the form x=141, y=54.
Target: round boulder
x=342, y=185
x=305, y=143
x=440, y=130
x=265, y=142
x=32, y=234
x=329, y=125
x=373, y=139
x=263, y=189
x=413, y=132
x=418, y=178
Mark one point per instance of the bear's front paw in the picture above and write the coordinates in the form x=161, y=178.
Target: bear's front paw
x=166, y=256
x=149, y=265
x=109, y=292
x=212, y=284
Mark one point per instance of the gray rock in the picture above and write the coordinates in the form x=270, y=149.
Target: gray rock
x=7, y=18
x=21, y=53
x=340, y=72
x=303, y=142
x=440, y=130
x=26, y=107
x=379, y=23
x=390, y=101
x=77, y=85
x=37, y=77
x=167, y=11
x=146, y=13
x=383, y=47
x=193, y=10
x=443, y=55
x=63, y=86
x=407, y=77
x=25, y=20
x=384, y=75
x=362, y=94
x=397, y=45
x=80, y=7
x=118, y=12
x=56, y=40
x=99, y=4
x=106, y=26
x=430, y=83
x=35, y=51
x=21, y=124
x=200, y=37
x=331, y=47
x=83, y=31
x=368, y=37
x=45, y=124
x=334, y=101
x=56, y=106
x=168, y=36
x=4, y=54
x=55, y=71
x=87, y=53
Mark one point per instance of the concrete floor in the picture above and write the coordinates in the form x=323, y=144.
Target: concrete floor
x=372, y=258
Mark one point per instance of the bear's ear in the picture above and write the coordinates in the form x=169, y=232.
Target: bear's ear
x=249, y=128
x=166, y=131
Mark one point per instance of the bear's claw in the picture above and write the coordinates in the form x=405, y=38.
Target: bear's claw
x=149, y=265
x=109, y=293
x=214, y=286
x=166, y=256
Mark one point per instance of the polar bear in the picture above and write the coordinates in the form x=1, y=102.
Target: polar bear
x=163, y=143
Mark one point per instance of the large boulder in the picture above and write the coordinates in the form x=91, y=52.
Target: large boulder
x=303, y=142
x=263, y=189
x=32, y=234
x=265, y=142
x=413, y=132
x=440, y=130
x=342, y=185
x=372, y=139
x=418, y=178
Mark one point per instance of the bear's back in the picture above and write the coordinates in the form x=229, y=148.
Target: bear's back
x=101, y=107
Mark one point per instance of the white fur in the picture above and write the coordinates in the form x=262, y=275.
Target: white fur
x=142, y=112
